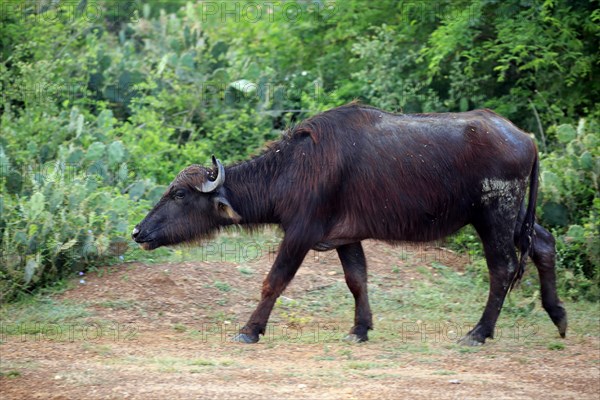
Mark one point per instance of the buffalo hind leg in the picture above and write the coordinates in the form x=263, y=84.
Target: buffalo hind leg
x=286, y=264
x=543, y=256
x=354, y=263
x=501, y=257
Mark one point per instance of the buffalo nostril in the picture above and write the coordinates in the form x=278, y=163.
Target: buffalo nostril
x=135, y=232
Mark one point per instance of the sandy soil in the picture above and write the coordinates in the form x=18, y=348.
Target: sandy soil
x=160, y=332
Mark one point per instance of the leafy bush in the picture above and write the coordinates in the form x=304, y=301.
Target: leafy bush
x=569, y=177
x=569, y=204
x=62, y=222
x=100, y=111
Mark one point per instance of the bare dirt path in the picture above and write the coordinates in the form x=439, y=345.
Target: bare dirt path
x=160, y=332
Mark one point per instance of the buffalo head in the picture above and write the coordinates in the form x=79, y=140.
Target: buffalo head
x=192, y=208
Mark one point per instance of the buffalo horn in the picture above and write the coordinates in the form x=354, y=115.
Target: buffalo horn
x=211, y=186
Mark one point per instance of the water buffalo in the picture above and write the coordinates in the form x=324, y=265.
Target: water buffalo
x=356, y=172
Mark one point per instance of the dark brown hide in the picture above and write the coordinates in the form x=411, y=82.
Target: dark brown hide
x=356, y=172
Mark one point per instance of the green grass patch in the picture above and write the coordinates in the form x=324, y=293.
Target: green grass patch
x=556, y=346
x=203, y=362
x=363, y=365
x=100, y=349
x=444, y=372
x=10, y=374
x=41, y=315
x=246, y=271
x=180, y=328
x=222, y=286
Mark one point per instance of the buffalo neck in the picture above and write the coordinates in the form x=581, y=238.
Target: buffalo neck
x=247, y=187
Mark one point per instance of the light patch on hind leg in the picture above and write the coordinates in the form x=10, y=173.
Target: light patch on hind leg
x=508, y=193
x=497, y=188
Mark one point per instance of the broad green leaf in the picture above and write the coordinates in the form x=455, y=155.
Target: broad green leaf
x=116, y=153
x=219, y=48
x=79, y=128
x=105, y=121
x=586, y=161
x=162, y=64
x=137, y=190
x=95, y=151
x=56, y=198
x=592, y=141
x=36, y=205
x=566, y=133
x=576, y=233
x=220, y=76
x=74, y=119
x=551, y=180
x=122, y=173
x=75, y=155
x=187, y=60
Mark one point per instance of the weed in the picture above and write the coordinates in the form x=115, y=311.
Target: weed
x=363, y=365
x=246, y=271
x=444, y=372
x=346, y=353
x=556, y=346
x=117, y=304
x=10, y=374
x=35, y=314
x=202, y=362
x=222, y=286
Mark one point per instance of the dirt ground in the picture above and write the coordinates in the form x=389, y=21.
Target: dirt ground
x=163, y=335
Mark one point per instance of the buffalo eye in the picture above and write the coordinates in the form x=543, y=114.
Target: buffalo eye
x=180, y=194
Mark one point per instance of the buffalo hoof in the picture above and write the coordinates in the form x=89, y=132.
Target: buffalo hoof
x=562, y=327
x=354, y=338
x=558, y=314
x=471, y=340
x=244, y=338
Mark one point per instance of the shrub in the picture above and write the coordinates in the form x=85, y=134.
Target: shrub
x=570, y=206
x=106, y=108
x=59, y=224
x=67, y=213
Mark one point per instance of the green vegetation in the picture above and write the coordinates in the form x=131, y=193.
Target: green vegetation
x=101, y=109
x=222, y=286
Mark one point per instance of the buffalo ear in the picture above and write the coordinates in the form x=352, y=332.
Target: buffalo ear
x=225, y=209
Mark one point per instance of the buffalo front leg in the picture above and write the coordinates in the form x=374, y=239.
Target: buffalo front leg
x=286, y=264
x=353, y=261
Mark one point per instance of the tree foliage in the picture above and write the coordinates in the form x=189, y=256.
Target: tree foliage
x=125, y=94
